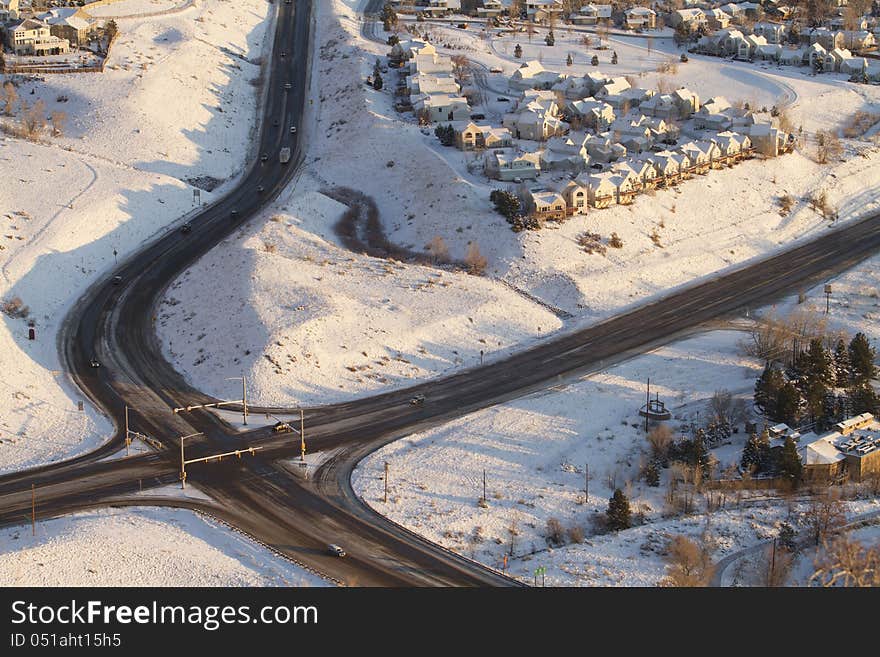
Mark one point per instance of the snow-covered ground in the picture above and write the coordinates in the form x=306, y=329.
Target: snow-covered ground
x=141, y=547
x=423, y=190
x=125, y=8
x=175, y=107
x=536, y=452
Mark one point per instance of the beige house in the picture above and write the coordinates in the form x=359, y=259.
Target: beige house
x=33, y=37
x=601, y=191
x=576, y=197
x=9, y=11
x=471, y=137
x=640, y=18
x=508, y=166
x=546, y=204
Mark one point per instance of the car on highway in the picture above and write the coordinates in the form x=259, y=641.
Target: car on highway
x=186, y=228
x=117, y=280
x=282, y=427
x=336, y=550
x=283, y=53
x=233, y=214
x=478, y=116
x=264, y=157
x=293, y=129
x=261, y=189
x=418, y=400
x=94, y=363
x=275, y=122
x=288, y=86
x=495, y=69
x=502, y=99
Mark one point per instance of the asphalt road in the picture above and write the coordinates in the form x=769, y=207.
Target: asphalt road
x=299, y=516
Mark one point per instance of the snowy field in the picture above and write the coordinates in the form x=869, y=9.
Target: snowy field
x=124, y=8
x=140, y=547
x=340, y=334
x=117, y=177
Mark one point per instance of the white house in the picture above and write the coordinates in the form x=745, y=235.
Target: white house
x=442, y=107
x=591, y=113
x=565, y=153
x=508, y=166
x=590, y=14
x=640, y=18
x=33, y=37
x=532, y=75
x=9, y=11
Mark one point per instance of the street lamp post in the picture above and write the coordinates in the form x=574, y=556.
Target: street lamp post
x=183, y=460
x=244, y=411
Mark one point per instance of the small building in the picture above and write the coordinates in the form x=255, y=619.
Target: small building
x=442, y=107
x=470, y=137
x=640, y=18
x=576, y=197
x=33, y=37
x=546, y=204
x=9, y=11
x=508, y=166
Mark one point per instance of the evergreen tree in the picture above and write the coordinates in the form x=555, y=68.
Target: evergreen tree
x=814, y=396
x=682, y=33
x=517, y=52
x=751, y=454
x=614, y=57
x=652, y=474
x=568, y=60
x=788, y=402
x=861, y=357
x=700, y=454
x=618, y=511
x=506, y=204
x=595, y=60
x=790, y=461
x=842, y=366
x=863, y=399
x=377, y=82
x=767, y=390
x=446, y=134
x=787, y=537
x=820, y=366
x=550, y=39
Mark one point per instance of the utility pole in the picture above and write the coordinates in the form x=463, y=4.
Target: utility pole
x=183, y=460
x=586, y=483
x=386, y=482
x=772, y=565
x=647, y=403
x=33, y=510
x=244, y=398
x=484, y=486
x=127, y=434
x=827, y=298
x=302, y=436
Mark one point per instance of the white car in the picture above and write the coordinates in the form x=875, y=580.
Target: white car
x=336, y=550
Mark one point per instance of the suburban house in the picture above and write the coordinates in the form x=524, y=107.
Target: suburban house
x=670, y=167
x=442, y=7
x=723, y=42
x=733, y=146
x=826, y=38
x=612, y=87
x=535, y=117
x=698, y=155
x=546, y=204
x=771, y=52
x=642, y=169
x=407, y=50
x=532, y=75
x=9, y=11
x=539, y=11
x=72, y=27
x=565, y=153
x=432, y=83
x=834, y=59
x=713, y=115
x=716, y=19
x=594, y=114
x=470, y=137
x=602, y=148
x=590, y=14
x=490, y=8
x=628, y=99
x=859, y=40
x=773, y=32
x=601, y=190
x=691, y=17
x=576, y=197
x=508, y=166
x=640, y=18
x=442, y=107
x=679, y=104
x=33, y=37
x=767, y=140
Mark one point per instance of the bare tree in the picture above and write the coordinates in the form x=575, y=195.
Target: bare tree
x=660, y=440
x=689, y=564
x=438, y=249
x=33, y=119
x=10, y=96
x=824, y=516
x=664, y=85
x=476, y=262
x=58, y=119
x=828, y=147
x=848, y=563
x=721, y=406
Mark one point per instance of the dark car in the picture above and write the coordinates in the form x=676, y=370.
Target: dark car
x=336, y=550
x=94, y=363
x=283, y=53
x=261, y=189
x=117, y=280
x=502, y=99
x=478, y=117
x=264, y=157
x=186, y=228
x=233, y=214
x=275, y=122
x=418, y=400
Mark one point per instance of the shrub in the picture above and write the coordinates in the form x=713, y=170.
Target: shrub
x=15, y=308
x=555, y=532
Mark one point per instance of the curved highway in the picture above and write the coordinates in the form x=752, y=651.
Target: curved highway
x=296, y=515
